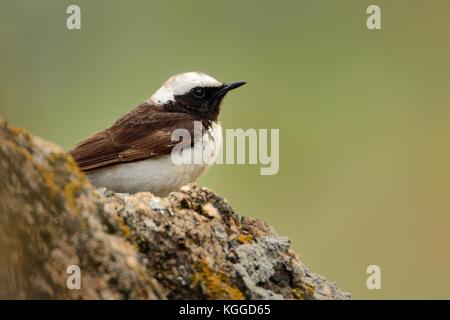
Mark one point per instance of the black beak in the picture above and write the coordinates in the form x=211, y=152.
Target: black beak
x=230, y=86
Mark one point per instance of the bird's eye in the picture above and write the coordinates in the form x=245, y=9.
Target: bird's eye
x=198, y=92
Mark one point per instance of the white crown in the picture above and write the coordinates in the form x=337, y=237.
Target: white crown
x=181, y=84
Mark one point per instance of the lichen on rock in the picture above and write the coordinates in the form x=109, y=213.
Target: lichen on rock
x=189, y=245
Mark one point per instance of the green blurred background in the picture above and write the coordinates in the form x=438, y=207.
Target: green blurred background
x=364, y=116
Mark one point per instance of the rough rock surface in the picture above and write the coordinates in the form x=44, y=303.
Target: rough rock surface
x=190, y=245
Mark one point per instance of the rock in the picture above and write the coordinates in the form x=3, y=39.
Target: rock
x=190, y=245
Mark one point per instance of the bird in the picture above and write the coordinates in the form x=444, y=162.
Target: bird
x=135, y=153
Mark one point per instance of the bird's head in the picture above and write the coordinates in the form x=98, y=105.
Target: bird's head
x=195, y=93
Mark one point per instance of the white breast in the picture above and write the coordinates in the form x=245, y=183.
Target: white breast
x=159, y=175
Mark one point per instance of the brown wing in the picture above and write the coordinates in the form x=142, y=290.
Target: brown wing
x=142, y=133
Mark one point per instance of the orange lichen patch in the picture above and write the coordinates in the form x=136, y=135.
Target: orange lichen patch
x=78, y=180
x=55, y=158
x=215, y=285
x=309, y=289
x=127, y=232
x=245, y=238
x=6, y=144
x=47, y=175
x=73, y=168
x=60, y=158
x=49, y=180
x=20, y=132
x=306, y=291
x=71, y=193
x=298, y=294
x=123, y=227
